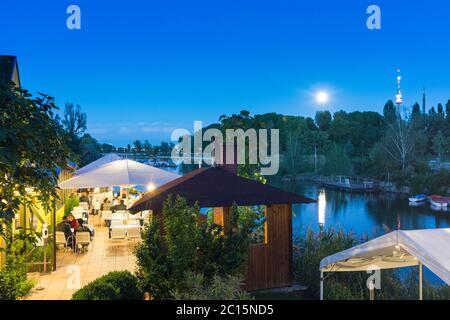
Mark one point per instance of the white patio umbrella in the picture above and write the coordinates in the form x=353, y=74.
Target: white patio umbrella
x=110, y=157
x=397, y=249
x=124, y=173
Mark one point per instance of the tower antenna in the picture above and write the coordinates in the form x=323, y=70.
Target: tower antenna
x=399, y=96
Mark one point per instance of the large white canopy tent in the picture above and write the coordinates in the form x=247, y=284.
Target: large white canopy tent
x=397, y=249
x=110, y=157
x=124, y=173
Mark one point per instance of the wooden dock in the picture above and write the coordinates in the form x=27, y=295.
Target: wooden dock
x=350, y=184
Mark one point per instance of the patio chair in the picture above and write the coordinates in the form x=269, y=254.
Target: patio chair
x=117, y=215
x=116, y=223
x=117, y=234
x=106, y=215
x=134, y=222
x=134, y=233
x=82, y=240
x=61, y=240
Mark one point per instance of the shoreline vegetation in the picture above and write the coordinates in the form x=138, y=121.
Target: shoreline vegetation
x=379, y=186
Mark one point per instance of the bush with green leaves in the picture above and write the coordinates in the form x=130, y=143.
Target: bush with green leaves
x=13, y=274
x=116, y=285
x=176, y=242
x=71, y=202
x=196, y=287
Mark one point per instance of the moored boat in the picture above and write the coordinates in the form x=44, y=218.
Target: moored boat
x=439, y=201
x=418, y=198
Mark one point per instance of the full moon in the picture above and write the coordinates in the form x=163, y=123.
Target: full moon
x=322, y=97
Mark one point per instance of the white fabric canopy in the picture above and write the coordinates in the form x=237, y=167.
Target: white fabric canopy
x=110, y=157
x=402, y=248
x=123, y=173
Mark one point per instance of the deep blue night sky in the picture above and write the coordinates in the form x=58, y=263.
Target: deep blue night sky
x=142, y=68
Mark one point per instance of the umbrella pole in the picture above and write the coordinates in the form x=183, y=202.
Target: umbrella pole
x=128, y=190
x=321, y=285
x=420, y=281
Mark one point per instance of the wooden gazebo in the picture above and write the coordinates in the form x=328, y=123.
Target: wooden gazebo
x=270, y=262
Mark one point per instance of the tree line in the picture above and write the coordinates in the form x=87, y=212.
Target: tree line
x=395, y=145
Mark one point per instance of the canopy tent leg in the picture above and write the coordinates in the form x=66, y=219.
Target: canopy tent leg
x=321, y=285
x=420, y=281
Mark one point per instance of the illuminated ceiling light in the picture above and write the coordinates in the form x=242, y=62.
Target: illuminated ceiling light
x=151, y=187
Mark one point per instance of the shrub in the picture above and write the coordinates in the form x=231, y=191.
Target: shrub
x=71, y=202
x=219, y=288
x=311, y=248
x=182, y=244
x=116, y=285
x=13, y=278
x=13, y=275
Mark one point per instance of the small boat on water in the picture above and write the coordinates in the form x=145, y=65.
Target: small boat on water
x=439, y=201
x=418, y=198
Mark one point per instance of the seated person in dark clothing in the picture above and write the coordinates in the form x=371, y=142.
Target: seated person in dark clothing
x=120, y=206
x=84, y=198
x=64, y=226
x=84, y=228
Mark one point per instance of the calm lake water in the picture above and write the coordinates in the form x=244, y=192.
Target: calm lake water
x=363, y=214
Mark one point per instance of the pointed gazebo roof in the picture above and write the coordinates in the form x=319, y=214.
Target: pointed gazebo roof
x=216, y=187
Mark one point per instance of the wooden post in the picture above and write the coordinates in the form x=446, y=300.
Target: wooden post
x=222, y=216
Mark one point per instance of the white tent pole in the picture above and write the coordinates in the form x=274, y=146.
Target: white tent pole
x=321, y=285
x=420, y=281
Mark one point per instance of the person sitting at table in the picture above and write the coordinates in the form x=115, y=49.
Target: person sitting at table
x=85, y=228
x=120, y=206
x=84, y=198
x=72, y=221
x=106, y=205
x=64, y=226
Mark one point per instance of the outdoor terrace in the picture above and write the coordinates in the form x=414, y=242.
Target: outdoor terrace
x=102, y=257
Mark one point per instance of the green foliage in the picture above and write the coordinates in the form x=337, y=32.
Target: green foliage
x=83, y=146
x=389, y=111
x=13, y=275
x=441, y=144
x=116, y=285
x=32, y=146
x=196, y=287
x=175, y=243
x=338, y=162
x=323, y=119
x=71, y=202
x=310, y=249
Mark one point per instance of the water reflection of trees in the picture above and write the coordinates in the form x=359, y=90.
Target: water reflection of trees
x=378, y=210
